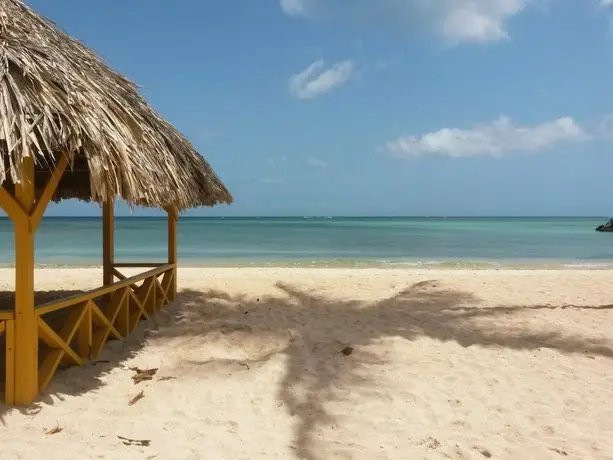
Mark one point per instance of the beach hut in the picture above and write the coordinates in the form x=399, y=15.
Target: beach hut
x=70, y=127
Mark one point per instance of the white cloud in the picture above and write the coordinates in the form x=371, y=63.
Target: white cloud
x=454, y=20
x=293, y=7
x=494, y=139
x=315, y=81
x=602, y=2
x=316, y=163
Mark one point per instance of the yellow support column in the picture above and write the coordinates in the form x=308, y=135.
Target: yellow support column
x=26, y=328
x=108, y=242
x=172, y=248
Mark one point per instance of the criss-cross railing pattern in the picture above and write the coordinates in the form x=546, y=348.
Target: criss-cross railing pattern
x=75, y=329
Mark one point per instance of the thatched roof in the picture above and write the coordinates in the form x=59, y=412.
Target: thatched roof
x=57, y=96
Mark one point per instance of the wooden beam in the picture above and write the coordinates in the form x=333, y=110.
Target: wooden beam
x=173, y=216
x=108, y=242
x=122, y=316
x=167, y=284
x=37, y=213
x=54, y=340
x=138, y=264
x=26, y=327
x=99, y=292
x=11, y=206
x=7, y=314
x=50, y=364
x=85, y=334
x=9, y=376
x=118, y=274
x=108, y=320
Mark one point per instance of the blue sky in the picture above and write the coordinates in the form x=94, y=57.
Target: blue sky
x=393, y=107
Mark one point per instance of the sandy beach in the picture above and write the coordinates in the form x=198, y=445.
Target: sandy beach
x=341, y=364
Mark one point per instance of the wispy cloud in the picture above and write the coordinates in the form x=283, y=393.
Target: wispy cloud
x=293, y=7
x=316, y=163
x=454, y=20
x=315, y=81
x=496, y=138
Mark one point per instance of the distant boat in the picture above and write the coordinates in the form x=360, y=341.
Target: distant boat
x=608, y=227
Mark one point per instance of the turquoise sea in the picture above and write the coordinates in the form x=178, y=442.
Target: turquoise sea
x=382, y=241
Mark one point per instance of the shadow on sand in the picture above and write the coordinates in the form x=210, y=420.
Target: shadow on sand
x=89, y=375
x=317, y=369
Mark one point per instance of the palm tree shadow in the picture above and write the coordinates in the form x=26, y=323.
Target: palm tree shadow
x=328, y=340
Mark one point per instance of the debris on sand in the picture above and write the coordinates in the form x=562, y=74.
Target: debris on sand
x=136, y=398
x=142, y=375
x=56, y=429
x=134, y=442
x=347, y=351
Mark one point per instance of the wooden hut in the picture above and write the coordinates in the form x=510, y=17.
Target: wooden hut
x=70, y=127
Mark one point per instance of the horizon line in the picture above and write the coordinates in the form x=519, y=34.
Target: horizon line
x=315, y=216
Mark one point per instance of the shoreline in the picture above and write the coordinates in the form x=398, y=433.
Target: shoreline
x=395, y=266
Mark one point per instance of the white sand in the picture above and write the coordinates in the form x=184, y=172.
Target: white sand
x=446, y=364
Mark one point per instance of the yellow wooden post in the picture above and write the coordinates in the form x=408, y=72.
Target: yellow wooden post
x=22, y=384
x=26, y=328
x=9, y=377
x=172, y=248
x=108, y=242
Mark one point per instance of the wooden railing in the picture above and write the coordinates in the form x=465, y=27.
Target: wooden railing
x=7, y=332
x=75, y=329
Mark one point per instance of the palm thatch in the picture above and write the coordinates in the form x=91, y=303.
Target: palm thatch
x=58, y=97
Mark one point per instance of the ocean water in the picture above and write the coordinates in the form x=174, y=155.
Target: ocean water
x=328, y=242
